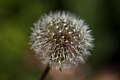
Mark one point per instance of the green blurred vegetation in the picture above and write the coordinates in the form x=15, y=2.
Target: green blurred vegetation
x=103, y=17
x=17, y=16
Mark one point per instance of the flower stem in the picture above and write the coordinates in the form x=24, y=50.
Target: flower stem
x=44, y=74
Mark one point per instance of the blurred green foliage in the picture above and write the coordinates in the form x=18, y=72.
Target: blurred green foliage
x=103, y=17
x=17, y=16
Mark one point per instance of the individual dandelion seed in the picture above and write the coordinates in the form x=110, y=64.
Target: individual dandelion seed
x=61, y=39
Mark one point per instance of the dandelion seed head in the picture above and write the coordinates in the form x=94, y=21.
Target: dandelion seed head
x=61, y=39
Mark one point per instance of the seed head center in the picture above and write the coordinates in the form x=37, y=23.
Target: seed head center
x=61, y=38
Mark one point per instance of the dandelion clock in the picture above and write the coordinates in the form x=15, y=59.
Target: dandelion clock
x=61, y=40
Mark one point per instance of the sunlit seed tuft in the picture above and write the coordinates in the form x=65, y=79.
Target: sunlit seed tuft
x=61, y=40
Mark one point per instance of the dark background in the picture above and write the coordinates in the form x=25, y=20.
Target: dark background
x=17, y=16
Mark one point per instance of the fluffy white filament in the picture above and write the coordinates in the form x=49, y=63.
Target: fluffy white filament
x=61, y=39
